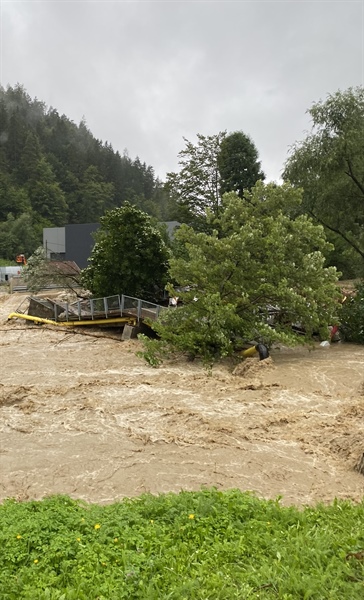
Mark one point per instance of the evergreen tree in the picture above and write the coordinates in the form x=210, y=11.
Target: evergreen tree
x=15, y=143
x=13, y=199
x=58, y=171
x=4, y=122
x=96, y=196
x=18, y=236
x=216, y=164
x=30, y=157
x=238, y=164
x=46, y=196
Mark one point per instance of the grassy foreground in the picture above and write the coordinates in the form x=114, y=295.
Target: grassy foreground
x=193, y=545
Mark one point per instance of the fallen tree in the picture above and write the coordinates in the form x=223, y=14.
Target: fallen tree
x=259, y=257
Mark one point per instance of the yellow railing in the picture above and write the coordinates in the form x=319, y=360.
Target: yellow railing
x=127, y=320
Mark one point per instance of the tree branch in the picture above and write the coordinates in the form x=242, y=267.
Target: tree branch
x=338, y=232
x=350, y=173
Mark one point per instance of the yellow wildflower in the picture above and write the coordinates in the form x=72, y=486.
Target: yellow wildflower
x=36, y=561
x=97, y=526
x=151, y=521
x=191, y=516
x=18, y=537
x=116, y=540
x=78, y=539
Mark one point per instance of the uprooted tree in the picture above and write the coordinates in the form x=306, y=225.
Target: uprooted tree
x=40, y=272
x=260, y=258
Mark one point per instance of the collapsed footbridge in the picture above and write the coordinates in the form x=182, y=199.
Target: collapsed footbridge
x=110, y=310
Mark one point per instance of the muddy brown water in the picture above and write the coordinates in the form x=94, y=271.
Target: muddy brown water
x=83, y=415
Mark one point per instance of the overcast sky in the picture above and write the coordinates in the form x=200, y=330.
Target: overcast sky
x=145, y=74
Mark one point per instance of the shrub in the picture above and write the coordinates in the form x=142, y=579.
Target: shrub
x=352, y=316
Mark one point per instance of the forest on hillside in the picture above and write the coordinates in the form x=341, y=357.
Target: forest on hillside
x=54, y=172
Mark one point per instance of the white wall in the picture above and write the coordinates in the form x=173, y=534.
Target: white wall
x=7, y=273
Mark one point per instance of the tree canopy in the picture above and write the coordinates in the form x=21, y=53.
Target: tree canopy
x=55, y=172
x=215, y=164
x=238, y=164
x=261, y=259
x=329, y=166
x=196, y=186
x=129, y=256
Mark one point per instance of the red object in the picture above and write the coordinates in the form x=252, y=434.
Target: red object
x=334, y=330
x=21, y=259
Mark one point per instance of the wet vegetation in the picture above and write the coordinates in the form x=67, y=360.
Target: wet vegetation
x=193, y=545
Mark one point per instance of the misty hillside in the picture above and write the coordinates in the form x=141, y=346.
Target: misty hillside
x=54, y=172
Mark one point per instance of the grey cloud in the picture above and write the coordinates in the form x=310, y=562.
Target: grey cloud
x=147, y=74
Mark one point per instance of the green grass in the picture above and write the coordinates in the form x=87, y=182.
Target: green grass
x=188, y=546
x=4, y=262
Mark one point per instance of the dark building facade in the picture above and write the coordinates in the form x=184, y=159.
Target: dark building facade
x=80, y=242
x=75, y=242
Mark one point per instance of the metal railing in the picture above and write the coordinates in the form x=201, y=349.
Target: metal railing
x=111, y=306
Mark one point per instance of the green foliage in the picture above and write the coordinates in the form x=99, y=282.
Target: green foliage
x=46, y=196
x=192, y=546
x=214, y=165
x=59, y=172
x=30, y=157
x=352, y=316
x=196, y=187
x=18, y=236
x=94, y=196
x=129, y=256
x=41, y=272
x=154, y=351
x=7, y=263
x=206, y=327
x=329, y=166
x=238, y=164
x=14, y=199
x=258, y=257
